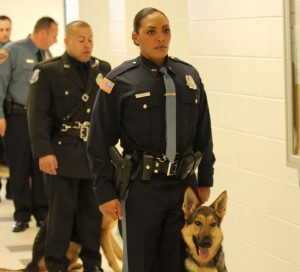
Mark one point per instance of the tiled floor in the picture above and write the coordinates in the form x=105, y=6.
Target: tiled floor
x=15, y=248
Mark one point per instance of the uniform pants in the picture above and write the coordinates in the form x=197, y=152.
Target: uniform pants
x=26, y=179
x=3, y=161
x=154, y=220
x=72, y=200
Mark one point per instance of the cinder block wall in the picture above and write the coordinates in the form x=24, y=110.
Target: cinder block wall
x=239, y=51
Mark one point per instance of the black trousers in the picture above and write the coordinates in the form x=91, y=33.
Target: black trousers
x=154, y=220
x=26, y=179
x=72, y=201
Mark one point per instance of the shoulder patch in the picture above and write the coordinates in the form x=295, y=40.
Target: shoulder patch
x=107, y=85
x=35, y=76
x=3, y=56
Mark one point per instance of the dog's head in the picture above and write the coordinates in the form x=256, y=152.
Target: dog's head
x=201, y=232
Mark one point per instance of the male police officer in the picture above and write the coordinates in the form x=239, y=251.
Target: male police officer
x=5, y=32
x=16, y=65
x=61, y=99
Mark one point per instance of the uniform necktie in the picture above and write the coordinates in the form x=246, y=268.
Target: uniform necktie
x=83, y=72
x=39, y=56
x=170, y=114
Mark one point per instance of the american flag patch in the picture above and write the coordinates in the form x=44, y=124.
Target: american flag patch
x=107, y=85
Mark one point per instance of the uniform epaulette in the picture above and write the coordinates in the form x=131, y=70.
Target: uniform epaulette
x=53, y=59
x=179, y=60
x=46, y=62
x=125, y=66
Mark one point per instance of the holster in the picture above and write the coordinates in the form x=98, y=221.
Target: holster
x=124, y=168
x=8, y=105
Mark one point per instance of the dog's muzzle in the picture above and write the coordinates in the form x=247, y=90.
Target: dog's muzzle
x=203, y=246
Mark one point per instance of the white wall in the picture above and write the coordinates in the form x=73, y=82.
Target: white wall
x=239, y=51
x=237, y=46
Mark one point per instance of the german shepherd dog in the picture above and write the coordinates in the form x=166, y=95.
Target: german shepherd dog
x=202, y=233
x=111, y=249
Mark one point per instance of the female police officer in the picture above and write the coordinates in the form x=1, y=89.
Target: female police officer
x=131, y=107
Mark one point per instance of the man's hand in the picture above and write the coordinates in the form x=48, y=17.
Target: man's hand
x=48, y=164
x=2, y=127
x=112, y=208
x=203, y=193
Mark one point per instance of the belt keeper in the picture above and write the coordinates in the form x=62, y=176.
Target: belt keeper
x=147, y=165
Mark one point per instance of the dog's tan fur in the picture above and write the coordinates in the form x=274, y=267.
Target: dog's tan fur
x=202, y=233
x=111, y=249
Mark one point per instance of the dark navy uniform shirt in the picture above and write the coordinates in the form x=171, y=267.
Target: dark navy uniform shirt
x=131, y=107
x=55, y=90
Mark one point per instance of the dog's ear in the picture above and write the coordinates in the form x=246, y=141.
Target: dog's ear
x=220, y=204
x=190, y=203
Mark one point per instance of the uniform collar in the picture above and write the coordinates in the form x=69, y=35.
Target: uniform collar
x=7, y=43
x=32, y=46
x=70, y=61
x=153, y=67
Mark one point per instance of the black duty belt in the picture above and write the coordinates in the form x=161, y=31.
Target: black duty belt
x=163, y=166
x=181, y=168
x=10, y=107
x=17, y=109
x=76, y=129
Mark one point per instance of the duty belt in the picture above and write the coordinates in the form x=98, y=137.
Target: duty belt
x=183, y=166
x=18, y=109
x=77, y=129
x=163, y=166
x=157, y=165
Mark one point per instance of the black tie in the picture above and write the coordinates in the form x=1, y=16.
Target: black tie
x=83, y=72
x=170, y=114
x=39, y=56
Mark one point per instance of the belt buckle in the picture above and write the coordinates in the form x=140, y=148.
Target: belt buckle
x=172, y=168
x=84, y=131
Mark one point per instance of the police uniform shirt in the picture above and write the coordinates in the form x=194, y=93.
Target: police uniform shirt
x=17, y=61
x=131, y=106
x=2, y=44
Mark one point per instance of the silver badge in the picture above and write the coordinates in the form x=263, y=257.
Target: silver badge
x=35, y=76
x=99, y=79
x=96, y=63
x=190, y=82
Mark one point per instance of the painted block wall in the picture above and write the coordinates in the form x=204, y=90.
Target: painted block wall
x=239, y=52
